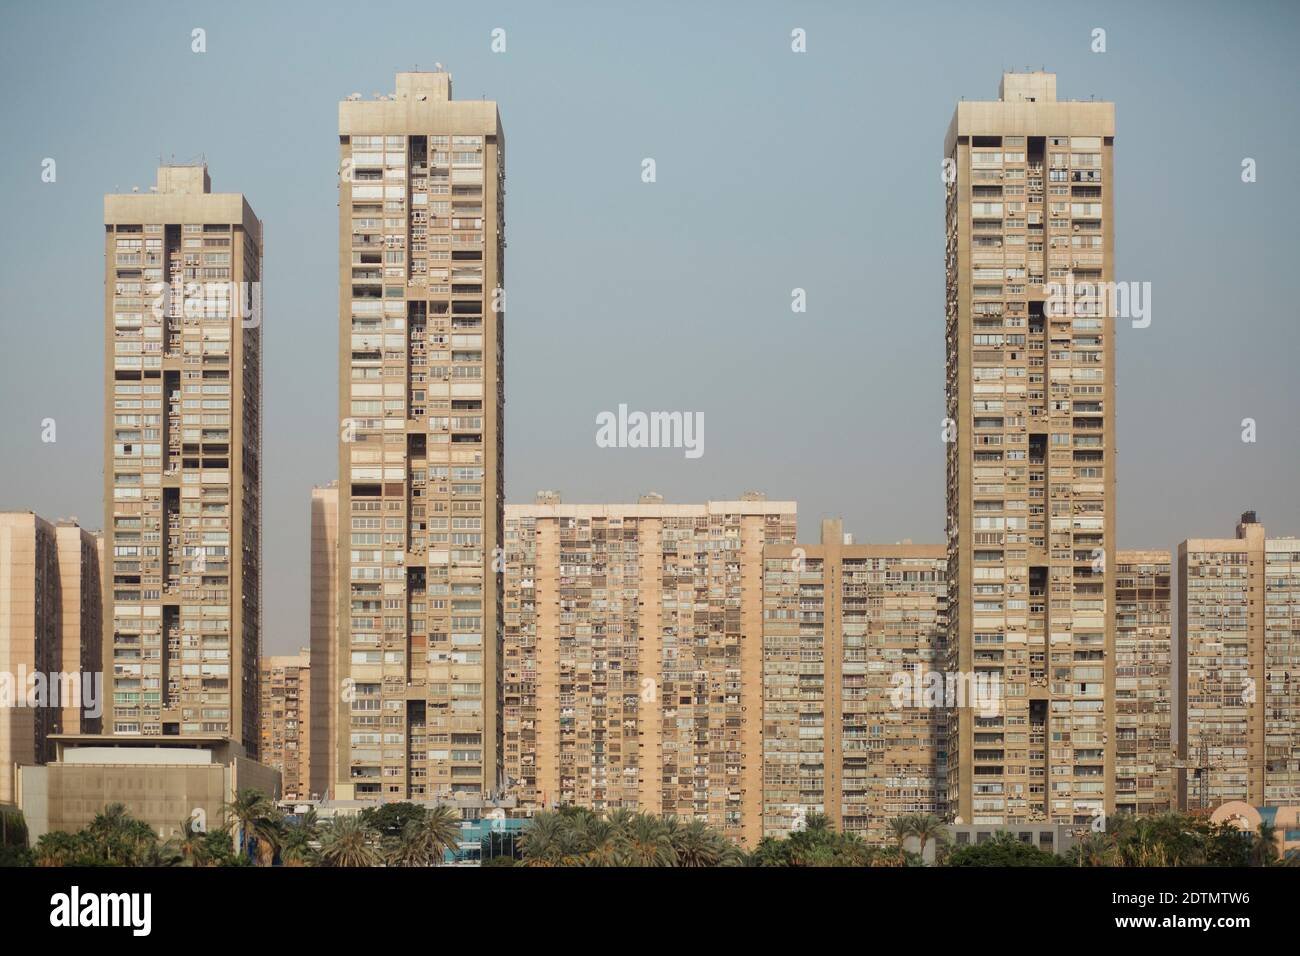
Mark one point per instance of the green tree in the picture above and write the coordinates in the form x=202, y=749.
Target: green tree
x=13, y=838
x=300, y=839
x=58, y=848
x=543, y=840
x=900, y=828
x=425, y=839
x=696, y=845
x=926, y=827
x=1263, y=851
x=112, y=838
x=645, y=843
x=253, y=817
x=1003, y=850
x=349, y=841
x=1095, y=849
x=191, y=844
x=598, y=841
x=390, y=819
x=770, y=851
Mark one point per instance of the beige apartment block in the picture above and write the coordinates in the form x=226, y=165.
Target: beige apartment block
x=1031, y=453
x=1238, y=648
x=421, y=266
x=1144, y=690
x=182, y=460
x=49, y=639
x=853, y=636
x=286, y=720
x=326, y=690
x=633, y=656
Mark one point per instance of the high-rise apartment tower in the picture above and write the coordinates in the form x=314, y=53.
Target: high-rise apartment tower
x=421, y=252
x=1031, y=453
x=182, y=460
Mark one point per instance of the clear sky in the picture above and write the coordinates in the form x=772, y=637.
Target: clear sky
x=775, y=170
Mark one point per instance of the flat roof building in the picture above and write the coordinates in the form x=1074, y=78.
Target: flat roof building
x=1030, y=413
x=163, y=781
x=182, y=460
x=421, y=486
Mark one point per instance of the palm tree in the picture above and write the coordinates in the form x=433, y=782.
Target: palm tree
x=58, y=848
x=243, y=812
x=900, y=828
x=1264, y=850
x=542, y=841
x=889, y=857
x=443, y=828
x=1095, y=849
x=191, y=844
x=573, y=836
x=697, y=845
x=115, y=838
x=424, y=841
x=268, y=831
x=674, y=829
x=926, y=827
x=621, y=820
x=600, y=841
x=646, y=843
x=817, y=825
x=296, y=848
x=349, y=842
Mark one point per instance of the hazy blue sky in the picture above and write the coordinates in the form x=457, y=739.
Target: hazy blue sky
x=775, y=170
